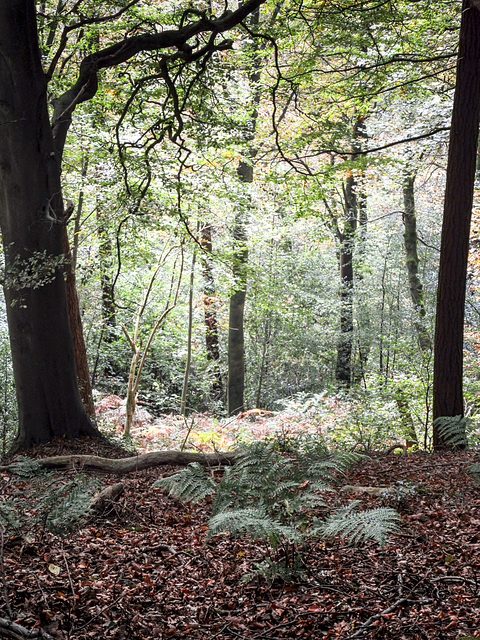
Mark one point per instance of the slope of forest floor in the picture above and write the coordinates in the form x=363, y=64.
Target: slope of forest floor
x=145, y=570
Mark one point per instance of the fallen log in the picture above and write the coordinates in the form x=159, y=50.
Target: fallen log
x=121, y=466
x=105, y=500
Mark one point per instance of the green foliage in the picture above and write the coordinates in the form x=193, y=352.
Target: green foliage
x=474, y=470
x=190, y=484
x=8, y=402
x=43, y=499
x=359, y=527
x=452, y=430
x=274, y=496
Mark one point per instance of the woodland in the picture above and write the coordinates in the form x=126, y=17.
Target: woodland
x=240, y=338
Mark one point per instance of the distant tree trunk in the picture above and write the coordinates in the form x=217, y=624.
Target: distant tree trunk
x=363, y=306
x=236, y=338
x=188, y=362
x=448, y=353
x=209, y=298
x=354, y=211
x=106, y=281
x=343, y=372
x=411, y=253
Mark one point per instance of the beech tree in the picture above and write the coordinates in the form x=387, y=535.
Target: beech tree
x=448, y=360
x=32, y=211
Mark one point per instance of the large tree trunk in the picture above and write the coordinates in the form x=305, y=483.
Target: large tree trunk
x=31, y=220
x=81, y=361
x=448, y=361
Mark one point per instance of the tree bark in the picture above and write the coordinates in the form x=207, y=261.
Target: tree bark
x=448, y=358
x=211, y=325
x=81, y=361
x=129, y=465
x=343, y=372
x=32, y=224
x=236, y=337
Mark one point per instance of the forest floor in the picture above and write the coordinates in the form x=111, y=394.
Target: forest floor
x=144, y=569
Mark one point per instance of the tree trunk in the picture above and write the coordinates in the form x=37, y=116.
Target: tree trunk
x=448, y=359
x=32, y=224
x=343, y=373
x=106, y=281
x=81, y=361
x=411, y=254
x=211, y=325
x=236, y=338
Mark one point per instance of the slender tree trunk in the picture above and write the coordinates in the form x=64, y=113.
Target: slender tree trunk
x=354, y=207
x=32, y=224
x=411, y=254
x=106, y=281
x=183, y=401
x=343, y=373
x=448, y=359
x=236, y=338
x=212, y=343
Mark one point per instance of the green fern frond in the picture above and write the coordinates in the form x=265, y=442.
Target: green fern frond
x=191, y=484
x=358, y=527
x=474, y=470
x=27, y=468
x=253, y=522
x=67, y=505
x=453, y=430
x=8, y=515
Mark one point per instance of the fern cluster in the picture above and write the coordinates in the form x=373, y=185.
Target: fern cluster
x=46, y=500
x=271, y=496
x=453, y=430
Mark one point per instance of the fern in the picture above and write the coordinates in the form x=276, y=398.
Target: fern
x=190, y=484
x=474, y=470
x=453, y=430
x=8, y=515
x=64, y=507
x=254, y=522
x=271, y=496
x=56, y=506
x=358, y=527
x=27, y=468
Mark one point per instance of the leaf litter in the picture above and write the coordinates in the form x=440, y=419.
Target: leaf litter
x=145, y=569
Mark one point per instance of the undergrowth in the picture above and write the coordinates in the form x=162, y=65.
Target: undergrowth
x=277, y=497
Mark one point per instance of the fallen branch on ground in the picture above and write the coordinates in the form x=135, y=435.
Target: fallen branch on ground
x=9, y=629
x=128, y=465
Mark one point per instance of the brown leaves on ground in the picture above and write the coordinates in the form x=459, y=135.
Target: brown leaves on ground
x=144, y=570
